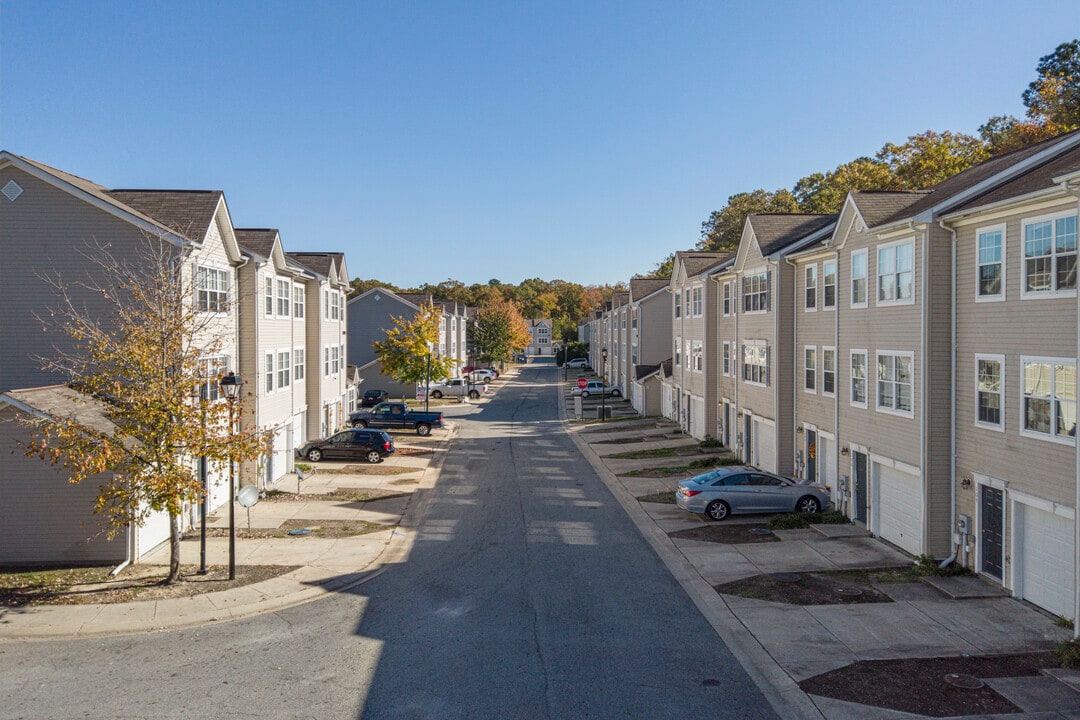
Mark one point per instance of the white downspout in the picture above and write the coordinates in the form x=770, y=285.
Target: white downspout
x=956, y=540
x=836, y=394
x=774, y=358
x=1076, y=505
x=795, y=359
x=129, y=550
x=923, y=414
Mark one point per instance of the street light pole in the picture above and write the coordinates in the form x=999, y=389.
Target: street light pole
x=427, y=387
x=199, y=396
x=603, y=384
x=230, y=387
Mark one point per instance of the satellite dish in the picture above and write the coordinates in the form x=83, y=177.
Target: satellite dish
x=248, y=496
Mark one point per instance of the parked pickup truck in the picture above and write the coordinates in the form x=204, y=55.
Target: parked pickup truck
x=396, y=415
x=456, y=387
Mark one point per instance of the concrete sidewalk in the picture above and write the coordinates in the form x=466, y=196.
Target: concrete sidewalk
x=781, y=644
x=325, y=565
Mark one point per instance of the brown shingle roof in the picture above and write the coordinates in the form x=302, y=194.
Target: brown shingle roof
x=776, y=231
x=877, y=206
x=188, y=212
x=642, y=287
x=1038, y=178
x=697, y=262
x=259, y=241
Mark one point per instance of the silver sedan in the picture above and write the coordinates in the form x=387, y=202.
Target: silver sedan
x=742, y=489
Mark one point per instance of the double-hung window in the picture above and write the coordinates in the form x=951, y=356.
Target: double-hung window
x=810, y=369
x=1049, y=254
x=269, y=371
x=695, y=301
x=828, y=371
x=268, y=296
x=284, y=302
x=326, y=360
x=1049, y=396
x=990, y=263
x=725, y=360
x=895, y=382
x=755, y=362
x=896, y=273
x=298, y=364
x=728, y=306
x=755, y=289
x=677, y=303
x=298, y=301
x=811, y=287
x=828, y=284
x=695, y=355
x=211, y=289
x=989, y=391
x=284, y=373
x=858, y=278
x=335, y=360
x=678, y=352
x=858, y=378
x=212, y=370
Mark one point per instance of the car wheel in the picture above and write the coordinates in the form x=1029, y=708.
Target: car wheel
x=616, y=393
x=474, y=394
x=436, y=394
x=584, y=393
x=314, y=454
x=360, y=424
x=423, y=429
x=808, y=504
x=373, y=456
x=718, y=510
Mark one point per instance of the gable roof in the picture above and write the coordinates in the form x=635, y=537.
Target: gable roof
x=187, y=212
x=258, y=241
x=641, y=288
x=1037, y=179
x=776, y=232
x=695, y=262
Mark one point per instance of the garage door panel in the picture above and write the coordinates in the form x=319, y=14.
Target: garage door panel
x=1046, y=567
x=898, y=516
x=766, y=445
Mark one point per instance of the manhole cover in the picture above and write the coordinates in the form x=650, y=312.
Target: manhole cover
x=848, y=591
x=786, y=577
x=300, y=531
x=965, y=682
x=761, y=531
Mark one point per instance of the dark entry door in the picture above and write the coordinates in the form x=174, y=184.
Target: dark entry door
x=748, y=440
x=811, y=455
x=991, y=521
x=860, y=488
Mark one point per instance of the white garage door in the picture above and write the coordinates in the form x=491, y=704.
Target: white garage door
x=897, y=513
x=279, y=461
x=154, y=532
x=764, y=445
x=697, y=418
x=1045, y=568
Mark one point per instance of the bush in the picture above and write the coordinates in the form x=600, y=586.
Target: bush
x=710, y=462
x=1068, y=653
x=927, y=566
x=829, y=517
x=709, y=443
x=789, y=521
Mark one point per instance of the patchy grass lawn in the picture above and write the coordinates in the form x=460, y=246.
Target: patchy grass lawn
x=653, y=453
x=665, y=497
x=687, y=470
x=343, y=495
x=319, y=528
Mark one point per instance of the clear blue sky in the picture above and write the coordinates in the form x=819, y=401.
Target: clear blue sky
x=577, y=140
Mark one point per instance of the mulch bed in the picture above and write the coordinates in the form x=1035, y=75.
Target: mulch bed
x=664, y=497
x=645, y=438
x=729, y=534
x=808, y=589
x=319, y=529
x=919, y=686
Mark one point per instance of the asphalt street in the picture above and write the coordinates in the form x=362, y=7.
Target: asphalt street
x=527, y=594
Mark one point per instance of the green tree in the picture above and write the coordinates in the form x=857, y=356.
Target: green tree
x=662, y=269
x=143, y=362
x=825, y=192
x=362, y=286
x=930, y=157
x=1054, y=98
x=411, y=345
x=499, y=331
x=722, y=230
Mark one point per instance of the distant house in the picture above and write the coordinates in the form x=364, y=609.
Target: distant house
x=650, y=328
x=371, y=315
x=540, y=336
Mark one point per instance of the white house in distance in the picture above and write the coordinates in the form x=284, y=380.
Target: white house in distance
x=540, y=333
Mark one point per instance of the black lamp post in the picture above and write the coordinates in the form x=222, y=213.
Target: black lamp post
x=199, y=395
x=427, y=386
x=230, y=388
x=603, y=383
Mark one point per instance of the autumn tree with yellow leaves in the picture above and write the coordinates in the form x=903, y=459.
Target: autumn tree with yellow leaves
x=145, y=365
x=411, y=345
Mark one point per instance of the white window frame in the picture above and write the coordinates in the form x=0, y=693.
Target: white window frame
x=758, y=349
x=268, y=371
x=213, y=368
x=678, y=351
x=894, y=247
x=299, y=358
x=859, y=352
x=212, y=300
x=865, y=277
x=1000, y=294
x=697, y=301
x=284, y=298
x=335, y=360
x=761, y=292
x=1026, y=294
x=810, y=369
x=284, y=369
x=696, y=359
x=676, y=300
x=1000, y=392
x=825, y=371
x=725, y=359
x=728, y=302
x=299, y=301
x=896, y=384
x=1053, y=435
x=326, y=361
x=268, y=296
x=810, y=279
x=825, y=285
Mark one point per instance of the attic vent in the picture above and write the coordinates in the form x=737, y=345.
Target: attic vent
x=377, y=297
x=12, y=190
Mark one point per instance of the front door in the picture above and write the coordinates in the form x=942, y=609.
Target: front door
x=748, y=441
x=861, y=496
x=991, y=522
x=811, y=455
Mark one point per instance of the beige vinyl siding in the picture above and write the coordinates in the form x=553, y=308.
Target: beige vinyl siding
x=937, y=464
x=1013, y=328
x=817, y=329
x=783, y=289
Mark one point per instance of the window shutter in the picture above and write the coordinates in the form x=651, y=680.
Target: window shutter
x=768, y=295
x=768, y=365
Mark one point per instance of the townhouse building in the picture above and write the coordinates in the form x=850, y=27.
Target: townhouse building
x=690, y=397
x=371, y=315
x=540, y=331
x=650, y=326
x=453, y=342
x=619, y=348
